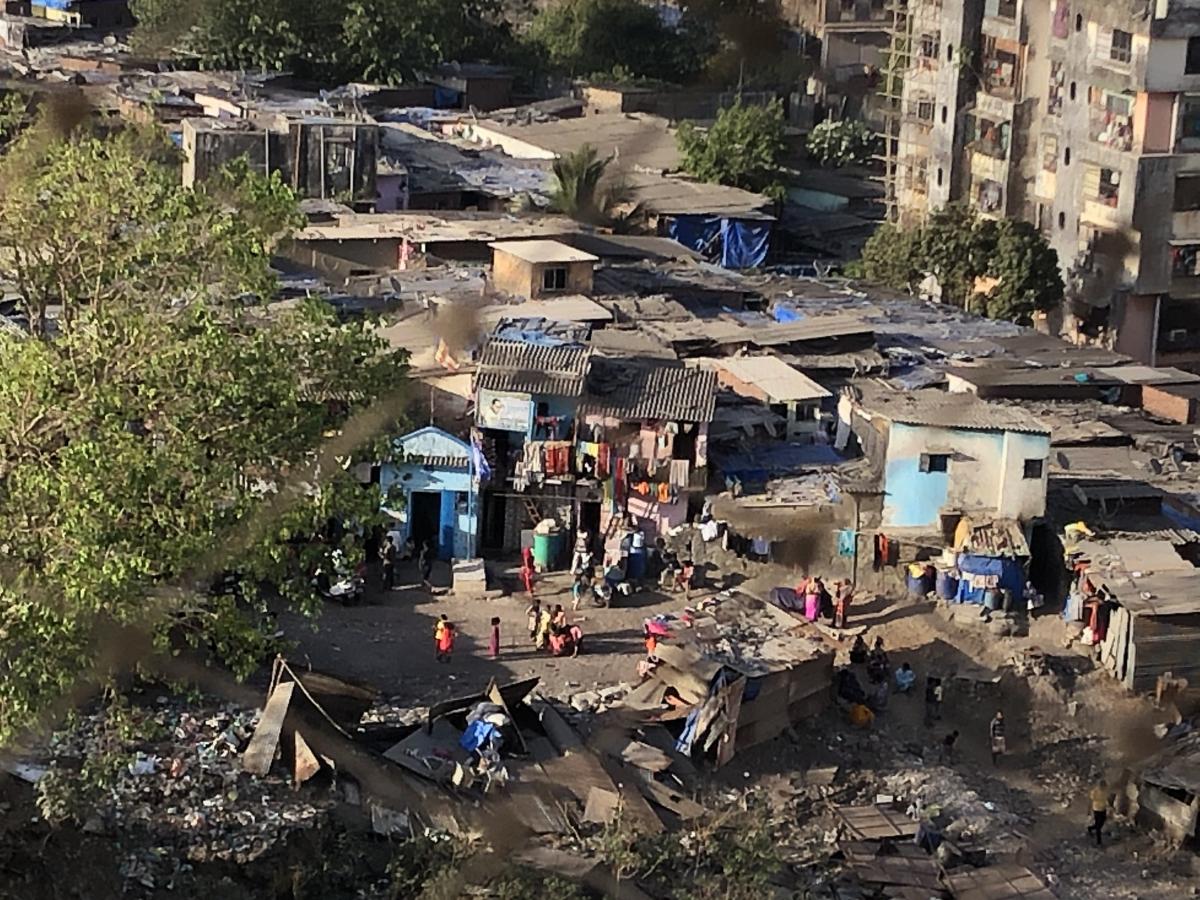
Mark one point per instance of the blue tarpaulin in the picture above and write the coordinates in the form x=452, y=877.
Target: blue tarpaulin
x=1010, y=574
x=736, y=243
x=697, y=233
x=478, y=734
x=744, y=243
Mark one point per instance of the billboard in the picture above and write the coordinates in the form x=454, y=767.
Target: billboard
x=504, y=412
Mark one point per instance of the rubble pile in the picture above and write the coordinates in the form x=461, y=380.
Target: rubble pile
x=183, y=797
x=394, y=711
x=939, y=792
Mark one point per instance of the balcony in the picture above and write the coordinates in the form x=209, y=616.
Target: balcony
x=846, y=14
x=989, y=197
x=1000, y=75
x=1185, y=270
x=1112, y=128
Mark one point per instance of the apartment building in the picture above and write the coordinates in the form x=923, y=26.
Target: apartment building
x=1083, y=117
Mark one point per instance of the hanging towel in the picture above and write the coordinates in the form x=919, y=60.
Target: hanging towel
x=678, y=477
x=846, y=542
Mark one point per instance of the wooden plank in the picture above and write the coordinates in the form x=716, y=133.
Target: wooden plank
x=1001, y=882
x=601, y=807
x=496, y=696
x=733, y=709
x=672, y=801
x=260, y=752
x=306, y=764
x=874, y=823
x=619, y=745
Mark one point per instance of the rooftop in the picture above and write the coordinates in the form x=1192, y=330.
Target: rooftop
x=440, y=227
x=630, y=389
x=937, y=409
x=532, y=368
x=541, y=251
x=635, y=140
x=780, y=382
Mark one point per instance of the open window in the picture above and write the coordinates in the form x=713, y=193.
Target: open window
x=1034, y=468
x=935, y=462
x=554, y=278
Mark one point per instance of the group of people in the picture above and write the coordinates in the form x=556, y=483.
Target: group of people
x=445, y=633
x=551, y=630
x=390, y=553
x=820, y=603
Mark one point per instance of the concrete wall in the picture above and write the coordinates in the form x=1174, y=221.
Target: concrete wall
x=985, y=474
x=524, y=279
x=1177, y=405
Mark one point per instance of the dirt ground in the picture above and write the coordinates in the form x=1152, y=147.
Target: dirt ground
x=388, y=639
x=1066, y=726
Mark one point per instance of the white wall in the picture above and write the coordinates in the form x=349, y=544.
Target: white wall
x=1164, y=66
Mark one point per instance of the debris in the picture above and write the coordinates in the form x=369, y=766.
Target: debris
x=601, y=807
x=261, y=753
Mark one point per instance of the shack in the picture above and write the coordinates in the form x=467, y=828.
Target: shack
x=1140, y=605
x=431, y=492
x=734, y=672
x=1168, y=795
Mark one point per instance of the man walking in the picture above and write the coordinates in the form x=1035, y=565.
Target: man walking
x=996, y=732
x=1099, y=802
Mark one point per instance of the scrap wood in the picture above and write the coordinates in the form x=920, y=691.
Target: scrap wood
x=617, y=744
x=260, y=752
x=875, y=822
x=601, y=807
x=1001, y=882
x=673, y=801
x=494, y=694
x=899, y=871
x=306, y=764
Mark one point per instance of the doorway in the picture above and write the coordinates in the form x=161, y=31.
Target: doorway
x=589, y=520
x=425, y=517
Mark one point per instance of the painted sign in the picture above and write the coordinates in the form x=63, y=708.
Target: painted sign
x=504, y=412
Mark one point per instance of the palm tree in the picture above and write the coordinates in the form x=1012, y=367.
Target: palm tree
x=577, y=191
x=587, y=189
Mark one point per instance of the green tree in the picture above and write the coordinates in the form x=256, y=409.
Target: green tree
x=163, y=430
x=892, y=257
x=1027, y=270
x=960, y=248
x=743, y=148
x=741, y=42
x=841, y=142
x=384, y=41
x=586, y=189
x=955, y=244
x=602, y=37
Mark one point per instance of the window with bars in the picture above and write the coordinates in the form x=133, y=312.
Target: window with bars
x=1121, y=49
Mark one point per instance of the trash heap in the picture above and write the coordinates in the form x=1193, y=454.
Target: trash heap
x=940, y=793
x=183, y=797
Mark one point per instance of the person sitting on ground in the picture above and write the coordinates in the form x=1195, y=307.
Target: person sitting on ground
x=878, y=700
x=861, y=716
x=558, y=622
x=858, y=653
x=905, y=678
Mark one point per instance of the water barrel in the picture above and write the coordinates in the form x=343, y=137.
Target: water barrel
x=545, y=550
x=946, y=584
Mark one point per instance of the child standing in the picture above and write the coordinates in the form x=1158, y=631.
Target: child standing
x=439, y=631
x=494, y=643
x=446, y=643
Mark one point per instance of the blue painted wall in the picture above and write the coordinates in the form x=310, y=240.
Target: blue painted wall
x=458, y=521
x=913, y=497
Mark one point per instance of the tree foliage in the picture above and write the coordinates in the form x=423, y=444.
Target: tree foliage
x=743, y=148
x=162, y=429
x=385, y=41
x=604, y=38
x=841, y=142
x=588, y=190
x=741, y=42
x=960, y=248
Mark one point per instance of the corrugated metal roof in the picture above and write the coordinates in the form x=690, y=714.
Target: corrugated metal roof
x=526, y=368
x=631, y=390
x=938, y=409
